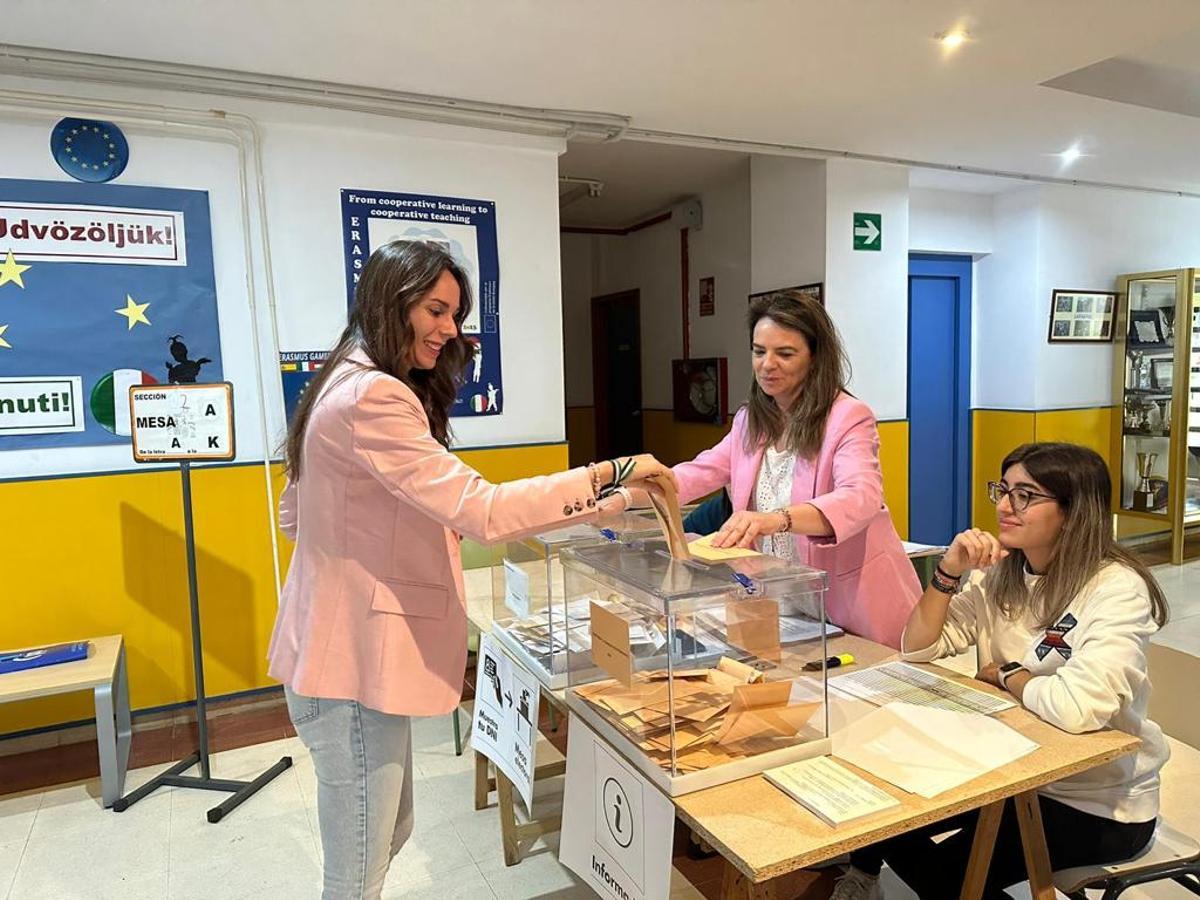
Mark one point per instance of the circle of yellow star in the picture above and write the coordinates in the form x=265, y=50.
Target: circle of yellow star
x=3, y=343
x=10, y=270
x=134, y=312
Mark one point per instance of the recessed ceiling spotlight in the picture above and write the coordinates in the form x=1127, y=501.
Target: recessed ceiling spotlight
x=1069, y=155
x=953, y=39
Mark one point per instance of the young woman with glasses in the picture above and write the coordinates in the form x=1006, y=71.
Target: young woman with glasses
x=1060, y=617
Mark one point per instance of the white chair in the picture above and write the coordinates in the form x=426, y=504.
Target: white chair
x=1170, y=855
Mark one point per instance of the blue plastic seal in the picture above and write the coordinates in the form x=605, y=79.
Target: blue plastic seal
x=608, y=534
x=745, y=581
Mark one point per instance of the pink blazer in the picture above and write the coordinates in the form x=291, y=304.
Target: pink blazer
x=373, y=608
x=872, y=584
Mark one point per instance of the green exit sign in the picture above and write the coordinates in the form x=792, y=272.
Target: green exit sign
x=868, y=231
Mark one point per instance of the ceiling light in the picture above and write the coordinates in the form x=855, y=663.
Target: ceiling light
x=952, y=40
x=1069, y=155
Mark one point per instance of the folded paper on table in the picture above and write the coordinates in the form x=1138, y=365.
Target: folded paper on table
x=925, y=750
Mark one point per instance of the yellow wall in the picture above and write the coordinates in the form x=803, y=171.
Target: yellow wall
x=105, y=554
x=997, y=432
x=893, y=460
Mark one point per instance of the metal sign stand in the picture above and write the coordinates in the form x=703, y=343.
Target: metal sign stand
x=240, y=790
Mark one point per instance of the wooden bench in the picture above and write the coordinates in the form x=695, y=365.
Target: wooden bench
x=103, y=673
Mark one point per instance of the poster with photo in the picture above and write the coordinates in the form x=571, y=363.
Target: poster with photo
x=467, y=230
x=1078, y=316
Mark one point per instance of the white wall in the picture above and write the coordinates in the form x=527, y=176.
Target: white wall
x=721, y=249
x=1004, y=355
x=1088, y=238
x=787, y=222
x=1055, y=236
x=308, y=156
x=866, y=292
x=949, y=222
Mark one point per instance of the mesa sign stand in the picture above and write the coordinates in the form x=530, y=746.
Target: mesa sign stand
x=184, y=423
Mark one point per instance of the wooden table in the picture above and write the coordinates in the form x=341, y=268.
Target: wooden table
x=103, y=673
x=763, y=834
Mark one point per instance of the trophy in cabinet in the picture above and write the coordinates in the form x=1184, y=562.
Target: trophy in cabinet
x=1143, y=495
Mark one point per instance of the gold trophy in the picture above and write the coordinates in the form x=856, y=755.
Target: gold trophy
x=1143, y=495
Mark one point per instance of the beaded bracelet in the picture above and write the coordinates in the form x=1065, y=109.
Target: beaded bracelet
x=787, y=519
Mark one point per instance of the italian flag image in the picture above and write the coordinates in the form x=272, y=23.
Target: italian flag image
x=110, y=398
x=479, y=403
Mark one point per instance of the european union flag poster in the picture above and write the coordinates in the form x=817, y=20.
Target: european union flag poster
x=467, y=229
x=101, y=287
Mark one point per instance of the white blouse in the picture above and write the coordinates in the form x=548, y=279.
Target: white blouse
x=774, y=491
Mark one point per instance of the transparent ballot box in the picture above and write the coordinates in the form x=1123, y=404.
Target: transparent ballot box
x=529, y=609
x=695, y=671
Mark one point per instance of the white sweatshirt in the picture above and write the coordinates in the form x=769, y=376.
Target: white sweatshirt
x=1089, y=673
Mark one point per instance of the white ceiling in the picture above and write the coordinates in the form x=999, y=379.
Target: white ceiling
x=864, y=76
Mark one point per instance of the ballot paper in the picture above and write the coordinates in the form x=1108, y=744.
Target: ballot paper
x=702, y=548
x=831, y=791
x=925, y=750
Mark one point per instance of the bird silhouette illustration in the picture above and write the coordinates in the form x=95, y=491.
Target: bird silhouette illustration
x=183, y=370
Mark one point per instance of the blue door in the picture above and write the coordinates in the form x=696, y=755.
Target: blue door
x=939, y=397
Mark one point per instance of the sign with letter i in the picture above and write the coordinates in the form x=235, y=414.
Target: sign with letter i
x=182, y=422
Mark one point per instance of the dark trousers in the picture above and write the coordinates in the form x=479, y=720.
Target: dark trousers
x=937, y=870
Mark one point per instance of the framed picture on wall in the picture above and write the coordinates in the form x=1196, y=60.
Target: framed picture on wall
x=699, y=389
x=1081, y=316
x=816, y=290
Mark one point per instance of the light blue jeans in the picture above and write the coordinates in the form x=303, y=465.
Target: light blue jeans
x=363, y=760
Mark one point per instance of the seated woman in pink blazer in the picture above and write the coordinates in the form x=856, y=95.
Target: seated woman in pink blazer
x=372, y=620
x=802, y=467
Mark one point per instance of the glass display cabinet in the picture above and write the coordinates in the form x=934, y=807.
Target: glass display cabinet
x=695, y=672
x=1156, y=426
x=530, y=615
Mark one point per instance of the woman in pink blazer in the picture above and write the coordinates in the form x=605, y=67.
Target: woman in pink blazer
x=372, y=623
x=802, y=466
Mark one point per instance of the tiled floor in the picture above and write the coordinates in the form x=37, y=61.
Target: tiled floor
x=58, y=843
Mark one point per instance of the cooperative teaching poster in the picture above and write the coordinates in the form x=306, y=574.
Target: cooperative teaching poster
x=101, y=287
x=467, y=229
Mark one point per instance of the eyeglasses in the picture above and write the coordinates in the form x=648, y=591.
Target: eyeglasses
x=1019, y=498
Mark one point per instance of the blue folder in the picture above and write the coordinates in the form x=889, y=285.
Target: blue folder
x=43, y=656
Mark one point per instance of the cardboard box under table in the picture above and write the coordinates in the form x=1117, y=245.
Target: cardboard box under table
x=530, y=614
x=695, y=671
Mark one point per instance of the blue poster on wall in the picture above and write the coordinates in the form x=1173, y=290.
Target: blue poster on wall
x=466, y=228
x=101, y=287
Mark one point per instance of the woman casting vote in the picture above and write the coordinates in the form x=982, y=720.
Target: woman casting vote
x=802, y=466
x=372, y=627
x=1061, y=618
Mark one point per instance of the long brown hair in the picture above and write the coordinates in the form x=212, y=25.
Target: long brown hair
x=1078, y=479
x=804, y=423
x=397, y=275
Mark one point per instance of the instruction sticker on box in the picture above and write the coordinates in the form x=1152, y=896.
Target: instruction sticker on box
x=516, y=589
x=506, y=710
